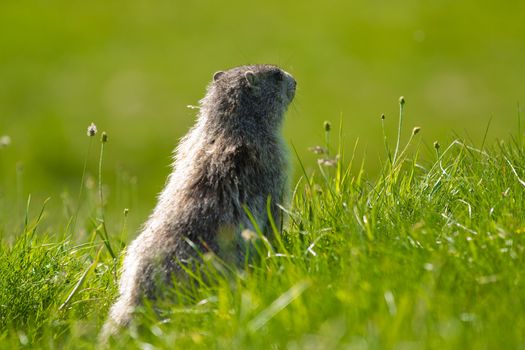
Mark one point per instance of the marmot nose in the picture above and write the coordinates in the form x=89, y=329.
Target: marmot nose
x=291, y=85
x=290, y=78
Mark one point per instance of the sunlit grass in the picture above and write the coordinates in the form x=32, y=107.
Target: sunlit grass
x=429, y=254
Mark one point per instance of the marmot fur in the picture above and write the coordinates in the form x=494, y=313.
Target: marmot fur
x=233, y=157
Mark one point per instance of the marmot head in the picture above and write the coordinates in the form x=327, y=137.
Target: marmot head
x=256, y=95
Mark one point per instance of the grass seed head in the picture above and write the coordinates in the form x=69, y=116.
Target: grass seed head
x=318, y=150
x=248, y=235
x=91, y=130
x=328, y=162
x=5, y=141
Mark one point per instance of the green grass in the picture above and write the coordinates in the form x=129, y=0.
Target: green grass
x=429, y=254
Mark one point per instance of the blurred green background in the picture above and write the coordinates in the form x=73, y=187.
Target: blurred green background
x=133, y=66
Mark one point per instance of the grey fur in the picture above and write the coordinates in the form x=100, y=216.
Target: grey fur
x=234, y=156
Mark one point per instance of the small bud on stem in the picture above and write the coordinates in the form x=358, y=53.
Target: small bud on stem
x=5, y=141
x=91, y=130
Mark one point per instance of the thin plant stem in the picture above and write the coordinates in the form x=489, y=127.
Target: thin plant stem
x=100, y=194
x=401, y=104
x=327, y=127
x=20, y=186
x=81, y=186
x=101, y=199
x=385, y=139
x=519, y=123
x=124, y=223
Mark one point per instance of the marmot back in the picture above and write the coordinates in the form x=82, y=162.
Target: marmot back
x=233, y=157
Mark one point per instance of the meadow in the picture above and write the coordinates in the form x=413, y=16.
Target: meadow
x=429, y=255
x=402, y=232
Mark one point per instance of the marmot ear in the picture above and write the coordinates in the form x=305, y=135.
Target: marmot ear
x=251, y=78
x=217, y=75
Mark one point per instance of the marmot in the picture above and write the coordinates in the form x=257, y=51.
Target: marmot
x=233, y=158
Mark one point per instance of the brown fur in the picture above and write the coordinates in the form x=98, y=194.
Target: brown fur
x=233, y=157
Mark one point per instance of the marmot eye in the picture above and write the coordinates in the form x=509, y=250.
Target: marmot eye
x=278, y=75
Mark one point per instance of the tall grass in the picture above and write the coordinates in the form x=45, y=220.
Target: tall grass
x=430, y=254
